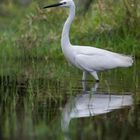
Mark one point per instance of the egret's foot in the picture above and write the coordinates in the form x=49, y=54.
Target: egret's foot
x=94, y=74
x=97, y=81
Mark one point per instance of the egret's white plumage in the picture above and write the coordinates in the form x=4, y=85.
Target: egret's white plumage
x=88, y=59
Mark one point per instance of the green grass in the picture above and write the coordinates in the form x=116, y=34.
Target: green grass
x=32, y=32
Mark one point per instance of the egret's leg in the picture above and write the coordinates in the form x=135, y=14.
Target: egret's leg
x=94, y=74
x=95, y=87
x=84, y=80
x=84, y=85
x=84, y=76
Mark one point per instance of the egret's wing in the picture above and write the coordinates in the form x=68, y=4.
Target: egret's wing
x=96, y=62
x=86, y=50
x=99, y=59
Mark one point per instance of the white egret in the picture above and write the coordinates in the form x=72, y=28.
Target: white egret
x=88, y=59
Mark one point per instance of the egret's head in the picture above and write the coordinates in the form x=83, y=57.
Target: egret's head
x=62, y=3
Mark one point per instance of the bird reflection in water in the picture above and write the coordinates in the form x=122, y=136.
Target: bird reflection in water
x=91, y=104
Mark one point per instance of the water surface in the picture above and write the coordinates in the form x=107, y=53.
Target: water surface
x=45, y=100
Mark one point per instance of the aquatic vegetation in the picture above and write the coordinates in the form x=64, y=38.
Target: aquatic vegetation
x=36, y=82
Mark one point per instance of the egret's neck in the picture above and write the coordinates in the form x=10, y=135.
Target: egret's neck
x=65, y=41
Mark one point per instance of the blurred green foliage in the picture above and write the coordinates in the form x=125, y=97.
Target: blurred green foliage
x=31, y=32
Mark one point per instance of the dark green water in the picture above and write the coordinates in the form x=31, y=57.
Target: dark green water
x=45, y=100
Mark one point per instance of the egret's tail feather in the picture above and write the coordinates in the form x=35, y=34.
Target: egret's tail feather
x=127, y=61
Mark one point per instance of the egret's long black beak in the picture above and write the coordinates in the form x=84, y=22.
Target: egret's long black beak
x=54, y=5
